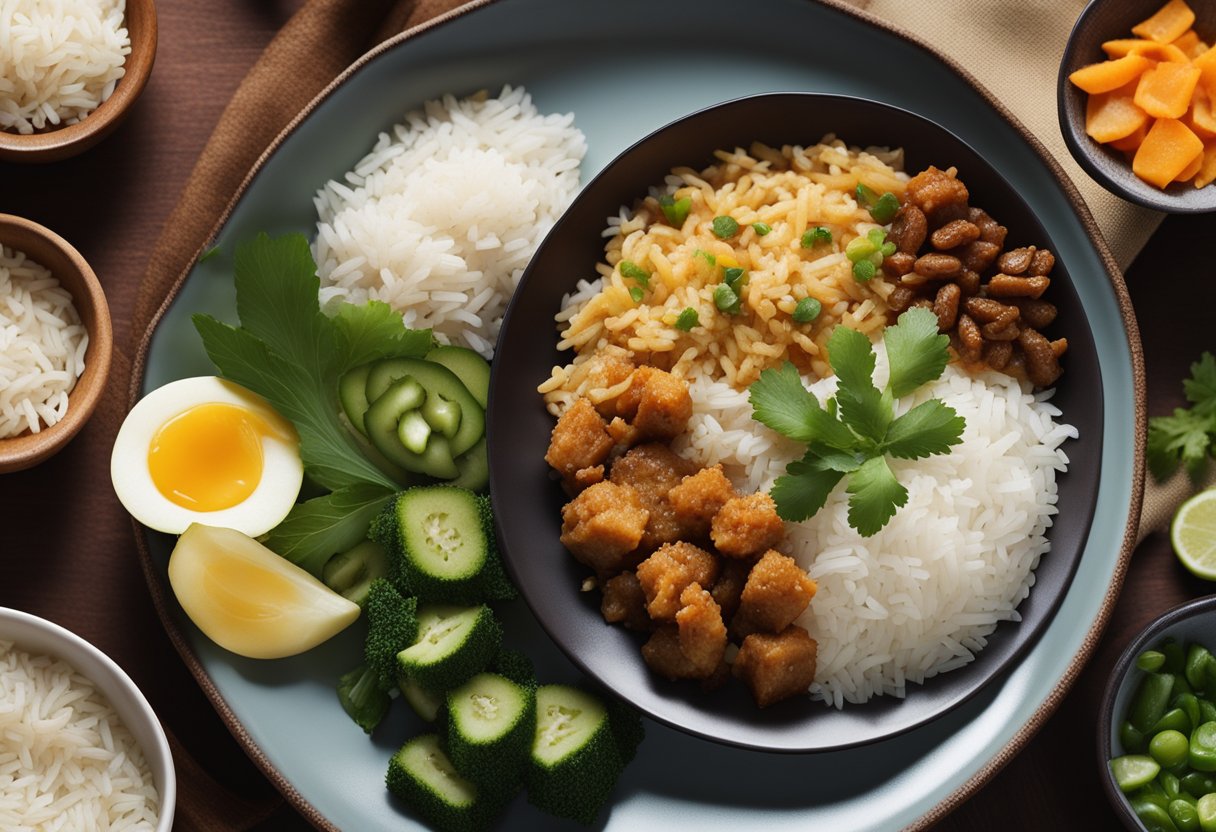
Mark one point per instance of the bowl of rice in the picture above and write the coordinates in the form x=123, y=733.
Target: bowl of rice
x=83, y=748
x=72, y=70
x=55, y=343
x=910, y=622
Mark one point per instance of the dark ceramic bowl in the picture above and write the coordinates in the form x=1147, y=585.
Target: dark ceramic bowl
x=528, y=501
x=1194, y=621
x=1101, y=21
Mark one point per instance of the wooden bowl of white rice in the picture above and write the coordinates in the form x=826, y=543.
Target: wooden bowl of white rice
x=83, y=748
x=73, y=70
x=55, y=343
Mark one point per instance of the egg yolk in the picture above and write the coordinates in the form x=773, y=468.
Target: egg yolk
x=209, y=457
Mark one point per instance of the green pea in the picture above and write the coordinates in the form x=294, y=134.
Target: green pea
x=1150, y=701
x=1202, y=749
x=1169, y=747
x=1184, y=815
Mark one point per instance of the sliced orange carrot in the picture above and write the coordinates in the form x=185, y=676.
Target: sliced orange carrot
x=1206, y=64
x=1110, y=75
x=1190, y=170
x=1187, y=41
x=1147, y=48
x=1207, y=171
x=1168, y=24
x=1131, y=142
x=1165, y=90
x=1165, y=152
x=1202, y=117
x=1113, y=115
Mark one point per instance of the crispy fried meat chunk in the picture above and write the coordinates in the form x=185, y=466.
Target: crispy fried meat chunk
x=777, y=667
x=777, y=591
x=602, y=526
x=701, y=629
x=579, y=445
x=747, y=526
x=653, y=470
x=667, y=573
x=698, y=498
x=624, y=602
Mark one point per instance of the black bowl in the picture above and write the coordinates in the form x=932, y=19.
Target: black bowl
x=1194, y=621
x=1101, y=21
x=528, y=501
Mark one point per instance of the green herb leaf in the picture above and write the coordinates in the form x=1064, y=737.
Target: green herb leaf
x=675, y=210
x=807, y=310
x=927, y=429
x=633, y=271
x=874, y=496
x=725, y=227
x=852, y=358
x=688, y=319
x=316, y=530
x=803, y=489
x=1200, y=388
x=1184, y=437
x=374, y=331
x=780, y=402
x=761, y=228
x=916, y=352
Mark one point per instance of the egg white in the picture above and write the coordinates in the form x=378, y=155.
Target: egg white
x=275, y=494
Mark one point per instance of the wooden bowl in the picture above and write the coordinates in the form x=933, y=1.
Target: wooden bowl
x=1101, y=21
x=62, y=142
x=48, y=249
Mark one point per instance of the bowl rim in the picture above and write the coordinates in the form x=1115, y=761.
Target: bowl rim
x=28, y=449
x=115, y=679
x=69, y=140
x=1121, y=674
x=1084, y=150
x=550, y=627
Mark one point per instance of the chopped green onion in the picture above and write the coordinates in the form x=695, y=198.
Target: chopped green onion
x=725, y=227
x=709, y=258
x=726, y=300
x=676, y=210
x=637, y=293
x=876, y=236
x=867, y=197
x=888, y=248
x=859, y=248
x=761, y=228
x=734, y=278
x=814, y=236
x=885, y=209
x=864, y=270
x=807, y=310
x=634, y=272
x=688, y=319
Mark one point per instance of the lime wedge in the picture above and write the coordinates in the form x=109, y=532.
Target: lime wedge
x=1193, y=534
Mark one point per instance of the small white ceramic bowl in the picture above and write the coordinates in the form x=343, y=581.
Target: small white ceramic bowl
x=39, y=636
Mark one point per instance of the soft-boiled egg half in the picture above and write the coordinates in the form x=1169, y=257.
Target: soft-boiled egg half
x=205, y=450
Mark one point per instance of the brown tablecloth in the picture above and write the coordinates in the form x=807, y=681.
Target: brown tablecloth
x=67, y=545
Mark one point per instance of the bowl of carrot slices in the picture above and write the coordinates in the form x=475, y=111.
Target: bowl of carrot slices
x=1137, y=100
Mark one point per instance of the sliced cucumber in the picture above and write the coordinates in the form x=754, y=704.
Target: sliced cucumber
x=383, y=423
x=453, y=644
x=490, y=724
x=352, y=394
x=422, y=776
x=443, y=541
x=474, y=468
x=426, y=703
x=469, y=367
x=350, y=573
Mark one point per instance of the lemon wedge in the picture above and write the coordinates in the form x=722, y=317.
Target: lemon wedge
x=249, y=600
x=1193, y=534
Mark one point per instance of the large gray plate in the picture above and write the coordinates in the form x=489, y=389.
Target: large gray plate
x=625, y=68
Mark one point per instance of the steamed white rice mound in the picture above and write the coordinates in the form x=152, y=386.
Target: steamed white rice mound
x=923, y=595
x=441, y=218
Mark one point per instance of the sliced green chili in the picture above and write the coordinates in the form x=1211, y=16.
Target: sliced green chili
x=688, y=319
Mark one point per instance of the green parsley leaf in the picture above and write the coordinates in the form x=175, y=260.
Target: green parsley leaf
x=633, y=271
x=761, y=228
x=807, y=310
x=317, y=529
x=1187, y=436
x=675, y=210
x=874, y=496
x=852, y=358
x=725, y=227
x=780, y=401
x=688, y=319
x=1200, y=388
x=374, y=331
x=803, y=489
x=916, y=352
x=927, y=429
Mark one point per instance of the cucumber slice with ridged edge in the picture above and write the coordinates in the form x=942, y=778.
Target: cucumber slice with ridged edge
x=490, y=724
x=453, y=644
x=443, y=542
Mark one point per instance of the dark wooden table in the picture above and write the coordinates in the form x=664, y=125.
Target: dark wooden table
x=112, y=204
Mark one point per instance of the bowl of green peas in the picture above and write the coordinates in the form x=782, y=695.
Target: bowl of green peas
x=1157, y=737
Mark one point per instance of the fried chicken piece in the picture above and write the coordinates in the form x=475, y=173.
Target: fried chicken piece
x=698, y=498
x=653, y=470
x=663, y=655
x=602, y=526
x=777, y=667
x=668, y=572
x=747, y=526
x=702, y=632
x=728, y=589
x=777, y=591
x=624, y=603
x=579, y=445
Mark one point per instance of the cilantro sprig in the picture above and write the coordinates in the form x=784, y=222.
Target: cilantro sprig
x=1188, y=437
x=853, y=436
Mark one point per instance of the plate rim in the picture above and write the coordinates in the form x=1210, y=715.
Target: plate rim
x=1069, y=190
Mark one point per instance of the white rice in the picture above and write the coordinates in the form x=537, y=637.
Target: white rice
x=59, y=60
x=42, y=345
x=923, y=595
x=66, y=760
x=441, y=218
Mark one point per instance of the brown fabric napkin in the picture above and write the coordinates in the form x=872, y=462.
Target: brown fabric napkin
x=1012, y=48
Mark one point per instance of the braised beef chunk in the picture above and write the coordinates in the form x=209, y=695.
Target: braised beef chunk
x=602, y=526
x=653, y=470
x=776, y=667
x=663, y=655
x=579, y=441
x=747, y=526
x=701, y=630
x=698, y=497
x=776, y=593
x=624, y=602
x=668, y=572
x=728, y=589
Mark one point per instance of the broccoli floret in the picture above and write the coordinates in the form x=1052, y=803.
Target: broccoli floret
x=351, y=573
x=422, y=776
x=453, y=643
x=515, y=666
x=392, y=625
x=491, y=721
x=362, y=698
x=575, y=761
x=496, y=585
